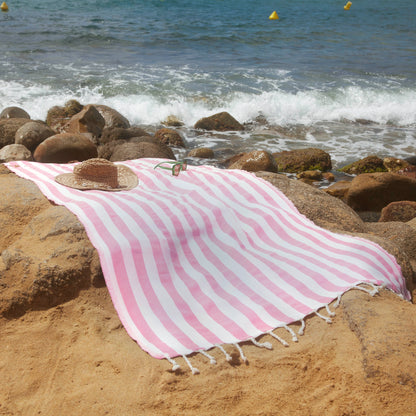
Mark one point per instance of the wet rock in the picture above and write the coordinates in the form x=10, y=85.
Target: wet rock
x=64, y=148
x=131, y=150
x=106, y=150
x=170, y=137
x=14, y=112
x=373, y=191
x=300, y=160
x=202, y=153
x=402, y=211
x=393, y=164
x=258, y=160
x=32, y=134
x=112, y=118
x=14, y=152
x=311, y=175
x=8, y=129
x=117, y=133
x=219, y=122
x=173, y=121
x=369, y=164
x=49, y=263
x=409, y=171
x=321, y=208
x=328, y=176
x=89, y=121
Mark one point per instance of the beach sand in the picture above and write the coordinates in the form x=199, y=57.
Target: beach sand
x=77, y=359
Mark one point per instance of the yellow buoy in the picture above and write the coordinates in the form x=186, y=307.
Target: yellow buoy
x=273, y=16
x=347, y=6
x=4, y=7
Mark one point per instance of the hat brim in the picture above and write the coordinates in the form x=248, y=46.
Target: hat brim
x=127, y=180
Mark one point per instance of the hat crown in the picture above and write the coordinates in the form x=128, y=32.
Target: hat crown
x=97, y=170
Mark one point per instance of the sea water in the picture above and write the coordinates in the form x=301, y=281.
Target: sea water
x=319, y=76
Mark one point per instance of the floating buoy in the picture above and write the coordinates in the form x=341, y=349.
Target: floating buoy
x=273, y=16
x=4, y=7
x=347, y=6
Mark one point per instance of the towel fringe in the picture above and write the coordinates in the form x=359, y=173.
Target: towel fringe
x=212, y=360
x=243, y=357
x=278, y=338
x=193, y=369
x=267, y=345
x=338, y=301
x=325, y=318
x=292, y=332
x=227, y=356
x=302, y=327
x=175, y=365
x=330, y=313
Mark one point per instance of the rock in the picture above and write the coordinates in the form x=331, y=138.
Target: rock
x=32, y=134
x=14, y=112
x=299, y=160
x=321, y=208
x=258, y=160
x=311, y=175
x=14, y=152
x=170, y=137
x=369, y=164
x=173, y=121
x=219, y=122
x=339, y=189
x=58, y=117
x=131, y=150
x=49, y=263
x=8, y=129
x=89, y=121
x=373, y=191
x=117, y=133
x=328, y=176
x=112, y=118
x=64, y=148
x=393, y=164
x=106, y=150
x=202, y=153
x=402, y=211
x=409, y=171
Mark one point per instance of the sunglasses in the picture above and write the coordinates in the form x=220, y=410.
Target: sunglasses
x=174, y=166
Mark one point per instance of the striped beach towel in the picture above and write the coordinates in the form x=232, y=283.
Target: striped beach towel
x=212, y=256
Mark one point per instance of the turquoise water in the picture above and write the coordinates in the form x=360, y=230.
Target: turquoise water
x=311, y=74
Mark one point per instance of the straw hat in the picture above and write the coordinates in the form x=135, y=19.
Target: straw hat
x=100, y=174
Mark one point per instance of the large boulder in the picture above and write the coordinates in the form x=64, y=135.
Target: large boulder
x=88, y=121
x=369, y=164
x=14, y=152
x=58, y=117
x=111, y=134
x=373, y=191
x=112, y=118
x=169, y=137
x=202, y=153
x=323, y=209
x=106, y=150
x=134, y=150
x=255, y=161
x=32, y=134
x=14, y=112
x=219, y=122
x=8, y=129
x=64, y=148
x=49, y=263
x=299, y=160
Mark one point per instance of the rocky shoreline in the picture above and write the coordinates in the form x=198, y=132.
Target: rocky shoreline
x=48, y=269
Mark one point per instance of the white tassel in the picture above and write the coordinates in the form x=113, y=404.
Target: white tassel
x=294, y=337
x=338, y=301
x=210, y=357
x=278, y=338
x=302, y=327
x=175, y=365
x=262, y=344
x=243, y=357
x=193, y=369
x=330, y=313
x=325, y=318
x=227, y=356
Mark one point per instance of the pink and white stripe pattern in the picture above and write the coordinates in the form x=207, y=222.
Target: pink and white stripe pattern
x=211, y=256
